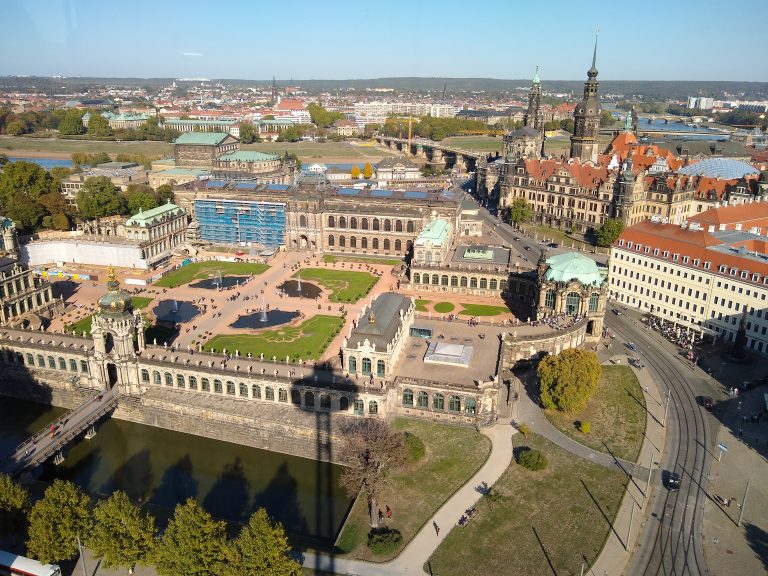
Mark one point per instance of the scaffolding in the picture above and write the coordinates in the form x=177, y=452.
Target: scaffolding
x=242, y=222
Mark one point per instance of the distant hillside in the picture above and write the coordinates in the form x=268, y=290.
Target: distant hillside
x=650, y=89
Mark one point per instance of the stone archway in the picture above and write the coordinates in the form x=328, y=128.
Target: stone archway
x=111, y=375
x=303, y=242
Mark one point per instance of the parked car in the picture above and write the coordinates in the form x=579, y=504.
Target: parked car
x=553, y=245
x=706, y=402
x=528, y=248
x=631, y=346
x=616, y=311
x=672, y=481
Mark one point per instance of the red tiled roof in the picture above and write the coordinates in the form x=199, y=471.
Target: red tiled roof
x=748, y=215
x=290, y=104
x=586, y=175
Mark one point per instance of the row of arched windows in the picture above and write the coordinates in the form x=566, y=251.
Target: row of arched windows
x=48, y=362
x=374, y=243
x=366, y=366
x=354, y=223
x=572, y=301
x=437, y=402
x=459, y=281
x=257, y=392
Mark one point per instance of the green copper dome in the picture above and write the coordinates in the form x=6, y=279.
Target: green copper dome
x=115, y=301
x=573, y=266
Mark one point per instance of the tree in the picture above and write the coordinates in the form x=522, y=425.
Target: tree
x=98, y=126
x=16, y=128
x=164, y=194
x=14, y=505
x=367, y=171
x=26, y=212
x=72, y=123
x=568, y=380
x=321, y=117
x=606, y=119
x=122, y=535
x=60, y=221
x=140, y=197
x=609, y=232
x=3, y=159
x=99, y=198
x=248, y=133
x=260, y=549
x=193, y=543
x=355, y=172
x=375, y=451
x=25, y=178
x=56, y=521
x=520, y=211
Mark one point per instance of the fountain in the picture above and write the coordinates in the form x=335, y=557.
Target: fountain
x=298, y=283
x=219, y=283
x=298, y=289
x=263, y=317
x=174, y=312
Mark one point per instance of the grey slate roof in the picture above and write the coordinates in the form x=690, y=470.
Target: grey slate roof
x=391, y=161
x=386, y=311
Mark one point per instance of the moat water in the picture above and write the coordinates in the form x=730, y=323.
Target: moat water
x=264, y=319
x=296, y=289
x=218, y=284
x=162, y=468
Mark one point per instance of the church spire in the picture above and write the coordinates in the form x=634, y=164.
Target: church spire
x=592, y=72
x=536, y=76
x=628, y=121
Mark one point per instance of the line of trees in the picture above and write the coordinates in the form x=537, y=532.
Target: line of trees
x=122, y=535
x=31, y=196
x=100, y=198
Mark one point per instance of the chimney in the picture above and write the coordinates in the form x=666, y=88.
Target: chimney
x=711, y=228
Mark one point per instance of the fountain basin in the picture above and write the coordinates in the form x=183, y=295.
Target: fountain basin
x=308, y=290
x=175, y=311
x=256, y=320
x=226, y=282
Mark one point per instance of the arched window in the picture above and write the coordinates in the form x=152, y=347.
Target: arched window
x=353, y=242
x=256, y=391
x=593, y=301
x=502, y=285
x=62, y=363
x=376, y=225
x=493, y=284
x=470, y=406
x=366, y=366
x=416, y=278
x=386, y=244
x=205, y=385
x=230, y=388
x=192, y=383
x=243, y=389
x=473, y=282
x=435, y=279
x=344, y=403
x=454, y=281
x=156, y=377
x=41, y=362
x=380, y=368
x=217, y=387
x=31, y=361
x=454, y=404
x=302, y=221
x=387, y=225
x=309, y=399
x=295, y=397
x=269, y=393
x=409, y=226
x=331, y=222
x=398, y=246
x=51, y=362
x=483, y=283
x=282, y=395
x=352, y=364
x=342, y=222
x=407, y=397
x=422, y=400
x=444, y=280
x=364, y=243
x=325, y=401
x=373, y=407
x=180, y=381
x=398, y=225
x=144, y=375
x=572, y=303
x=463, y=282
x=331, y=240
x=438, y=401
x=342, y=241
x=359, y=407
x=353, y=223
x=168, y=379
x=364, y=223
x=549, y=299
x=375, y=243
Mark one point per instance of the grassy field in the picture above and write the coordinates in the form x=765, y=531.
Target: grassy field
x=8, y=144
x=482, y=310
x=84, y=324
x=543, y=523
x=345, y=286
x=479, y=143
x=331, y=258
x=453, y=455
x=317, y=150
x=308, y=340
x=616, y=414
x=203, y=270
x=444, y=307
x=421, y=305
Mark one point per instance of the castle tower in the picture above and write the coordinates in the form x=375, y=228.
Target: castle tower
x=533, y=116
x=586, y=118
x=626, y=185
x=9, y=240
x=118, y=334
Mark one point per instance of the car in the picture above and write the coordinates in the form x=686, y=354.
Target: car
x=616, y=311
x=631, y=346
x=553, y=245
x=672, y=481
x=516, y=238
x=705, y=401
x=528, y=248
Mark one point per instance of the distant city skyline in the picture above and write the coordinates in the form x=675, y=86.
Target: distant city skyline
x=341, y=39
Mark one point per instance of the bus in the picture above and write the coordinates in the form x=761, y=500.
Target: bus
x=15, y=565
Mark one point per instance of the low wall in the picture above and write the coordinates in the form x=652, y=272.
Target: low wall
x=119, y=253
x=530, y=347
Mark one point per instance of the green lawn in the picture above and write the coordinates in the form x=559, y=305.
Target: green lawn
x=616, y=414
x=84, y=324
x=421, y=305
x=482, y=310
x=543, y=523
x=345, y=286
x=478, y=143
x=444, y=307
x=312, y=151
x=453, y=455
x=308, y=340
x=331, y=258
x=203, y=270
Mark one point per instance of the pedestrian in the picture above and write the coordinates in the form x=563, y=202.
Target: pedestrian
x=381, y=516
x=389, y=512
x=436, y=527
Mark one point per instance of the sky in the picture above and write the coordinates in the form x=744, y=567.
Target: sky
x=340, y=39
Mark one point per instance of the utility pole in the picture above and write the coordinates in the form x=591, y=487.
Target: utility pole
x=743, y=504
x=648, y=484
x=666, y=408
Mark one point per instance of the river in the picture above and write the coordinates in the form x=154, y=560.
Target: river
x=161, y=468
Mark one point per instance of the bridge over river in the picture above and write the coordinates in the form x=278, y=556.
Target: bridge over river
x=438, y=154
x=66, y=429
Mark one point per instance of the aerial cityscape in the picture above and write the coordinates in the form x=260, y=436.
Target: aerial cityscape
x=353, y=289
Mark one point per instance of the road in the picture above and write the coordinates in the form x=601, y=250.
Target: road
x=671, y=541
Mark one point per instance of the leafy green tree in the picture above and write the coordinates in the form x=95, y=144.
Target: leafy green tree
x=355, y=172
x=606, y=119
x=609, y=232
x=519, y=212
x=140, y=197
x=248, y=133
x=122, y=535
x=261, y=549
x=321, y=117
x=291, y=134
x=26, y=212
x=14, y=505
x=193, y=543
x=99, y=198
x=25, y=178
x=367, y=170
x=568, y=380
x=60, y=221
x=567, y=125
x=72, y=123
x=3, y=159
x=98, y=126
x=16, y=128
x=268, y=117
x=56, y=521
x=375, y=451
x=164, y=194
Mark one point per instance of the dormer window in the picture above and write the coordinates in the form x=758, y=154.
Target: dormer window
x=722, y=268
x=744, y=274
x=733, y=271
x=630, y=244
x=707, y=265
x=755, y=277
x=675, y=257
x=647, y=249
x=696, y=262
x=655, y=251
x=666, y=254
x=685, y=259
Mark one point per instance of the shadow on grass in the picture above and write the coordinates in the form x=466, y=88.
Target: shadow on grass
x=544, y=550
x=605, y=516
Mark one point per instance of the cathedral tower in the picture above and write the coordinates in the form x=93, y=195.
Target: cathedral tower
x=586, y=118
x=533, y=116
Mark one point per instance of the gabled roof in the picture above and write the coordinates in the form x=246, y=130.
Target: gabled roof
x=393, y=161
x=203, y=138
x=748, y=215
x=380, y=324
x=144, y=219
